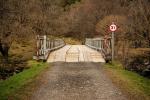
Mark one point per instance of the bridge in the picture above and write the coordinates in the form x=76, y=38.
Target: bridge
x=80, y=80
x=56, y=50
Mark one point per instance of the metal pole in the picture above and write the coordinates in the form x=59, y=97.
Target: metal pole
x=113, y=45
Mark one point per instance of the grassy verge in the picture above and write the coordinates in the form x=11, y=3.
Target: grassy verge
x=133, y=85
x=72, y=41
x=17, y=81
x=68, y=40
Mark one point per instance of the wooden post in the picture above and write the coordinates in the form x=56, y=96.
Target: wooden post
x=49, y=44
x=44, y=44
x=53, y=43
x=100, y=44
x=37, y=44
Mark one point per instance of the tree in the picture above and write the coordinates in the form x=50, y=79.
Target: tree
x=121, y=21
x=139, y=15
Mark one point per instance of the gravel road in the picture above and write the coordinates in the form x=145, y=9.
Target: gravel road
x=76, y=81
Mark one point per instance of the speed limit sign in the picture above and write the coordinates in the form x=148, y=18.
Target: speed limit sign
x=113, y=27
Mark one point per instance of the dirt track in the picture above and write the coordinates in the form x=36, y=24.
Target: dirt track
x=76, y=81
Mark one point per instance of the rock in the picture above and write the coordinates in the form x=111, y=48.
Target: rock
x=146, y=72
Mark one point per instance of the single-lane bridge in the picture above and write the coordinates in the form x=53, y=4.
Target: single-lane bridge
x=75, y=53
x=56, y=50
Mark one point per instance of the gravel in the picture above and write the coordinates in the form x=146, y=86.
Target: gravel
x=75, y=81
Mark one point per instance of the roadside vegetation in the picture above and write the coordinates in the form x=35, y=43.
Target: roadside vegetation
x=68, y=40
x=136, y=87
x=20, y=53
x=72, y=41
x=11, y=85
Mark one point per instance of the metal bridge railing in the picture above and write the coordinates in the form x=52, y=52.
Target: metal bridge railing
x=100, y=44
x=45, y=46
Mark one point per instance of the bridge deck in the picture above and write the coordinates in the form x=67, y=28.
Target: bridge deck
x=75, y=53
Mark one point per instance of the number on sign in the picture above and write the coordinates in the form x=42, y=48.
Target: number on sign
x=113, y=27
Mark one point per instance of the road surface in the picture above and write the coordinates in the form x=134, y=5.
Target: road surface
x=75, y=53
x=75, y=81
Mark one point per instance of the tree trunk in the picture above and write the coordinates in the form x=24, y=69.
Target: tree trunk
x=4, y=48
x=149, y=43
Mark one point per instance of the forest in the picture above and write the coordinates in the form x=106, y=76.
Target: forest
x=22, y=20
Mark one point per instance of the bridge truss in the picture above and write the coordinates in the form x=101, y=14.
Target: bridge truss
x=45, y=45
x=104, y=45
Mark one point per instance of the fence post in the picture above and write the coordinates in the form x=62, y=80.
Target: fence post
x=54, y=44
x=44, y=44
x=37, y=46
x=100, y=44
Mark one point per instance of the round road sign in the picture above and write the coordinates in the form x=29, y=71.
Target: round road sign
x=113, y=27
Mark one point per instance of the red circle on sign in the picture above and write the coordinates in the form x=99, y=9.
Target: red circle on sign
x=113, y=27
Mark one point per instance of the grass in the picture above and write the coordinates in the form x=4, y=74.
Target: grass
x=17, y=81
x=68, y=40
x=22, y=50
x=139, y=51
x=72, y=41
x=132, y=84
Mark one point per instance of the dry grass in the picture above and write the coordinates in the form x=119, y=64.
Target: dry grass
x=68, y=40
x=22, y=50
x=133, y=85
x=139, y=51
x=72, y=41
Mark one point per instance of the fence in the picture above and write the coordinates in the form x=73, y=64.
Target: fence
x=45, y=46
x=100, y=44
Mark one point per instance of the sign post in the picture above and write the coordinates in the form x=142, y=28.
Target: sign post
x=113, y=28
